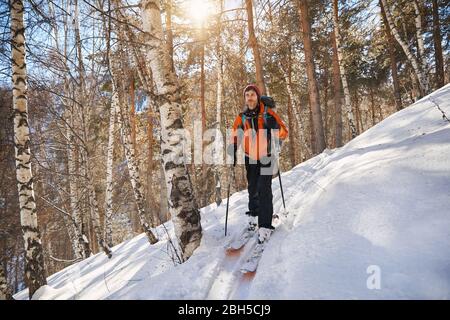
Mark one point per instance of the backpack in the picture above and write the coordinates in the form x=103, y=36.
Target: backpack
x=268, y=102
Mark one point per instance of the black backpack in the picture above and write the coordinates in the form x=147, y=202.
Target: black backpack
x=268, y=102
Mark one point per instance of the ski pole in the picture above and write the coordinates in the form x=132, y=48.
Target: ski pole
x=281, y=187
x=279, y=177
x=228, y=193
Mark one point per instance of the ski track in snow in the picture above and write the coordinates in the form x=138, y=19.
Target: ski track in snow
x=230, y=282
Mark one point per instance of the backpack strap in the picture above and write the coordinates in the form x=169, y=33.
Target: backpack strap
x=243, y=118
x=265, y=116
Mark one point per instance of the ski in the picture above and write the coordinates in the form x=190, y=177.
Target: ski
x=251, y=264
x=240, y=241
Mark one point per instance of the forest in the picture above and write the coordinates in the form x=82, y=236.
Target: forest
x=115, y=115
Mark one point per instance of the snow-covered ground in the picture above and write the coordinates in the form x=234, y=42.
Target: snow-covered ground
x=370, y=220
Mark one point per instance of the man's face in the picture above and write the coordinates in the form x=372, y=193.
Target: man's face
x=251, y=99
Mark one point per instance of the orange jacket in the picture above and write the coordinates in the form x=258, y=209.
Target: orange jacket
x=255, y=140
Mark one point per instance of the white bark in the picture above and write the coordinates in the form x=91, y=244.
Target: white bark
x=95, y=211
x=124, y=124
x=5, y=292
x=82, y=249
x=295, y=106
x=84, y=112
x=340, y=55
x=109, y=170
x=218, y=155
x=73, y=223
x=34, y=258
x=182, y=206
x=419, y=35
x=418, y=69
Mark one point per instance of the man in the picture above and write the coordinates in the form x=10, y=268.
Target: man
x=253, y=130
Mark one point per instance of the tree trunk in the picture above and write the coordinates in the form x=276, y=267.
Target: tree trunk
x=109, y=171
x=124, y=124
x=359, y=122
x=337, y=95
x=296, y=108
x=291, y=121
x=418, y=69
x=34, y=258
x=5, y=292
x=80, y=243
x=182, y=206
x=314, y=100
x=419, y=35
x=340, y=57
x=325, y=80
x=132, y=111
x=204, y=185
x=163, y=201
x=253, y=42
x=169, y=33
x=372, y=105
x=393, y=60
x=95, y=211
x=150, y=163
x=85, y=113
x=438, y=57
x=218, y=155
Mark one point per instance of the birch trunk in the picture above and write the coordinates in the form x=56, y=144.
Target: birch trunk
x=298, y=125
x=419, y=35
x=393, y=60
x=182, y=206
x=80, y=244
x=124, y=124
x=418, y=69
x=340, y=56
x=219, y=101
x=95, y=212
x=34, y=258
x=109, y=171
x=337, y=96
x=85, y=114
x=5, y=292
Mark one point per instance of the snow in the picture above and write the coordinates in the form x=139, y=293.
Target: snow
x=370, y=220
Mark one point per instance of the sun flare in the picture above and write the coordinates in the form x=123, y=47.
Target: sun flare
x=199, y=10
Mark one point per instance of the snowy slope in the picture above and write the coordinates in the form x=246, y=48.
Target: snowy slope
x=382, y=200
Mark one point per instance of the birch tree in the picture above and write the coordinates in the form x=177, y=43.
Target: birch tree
x=109, y=170
x=419, y=35
x=219, y=102
x=79, y=240
x=419, y=69
x=34, y=258
x=5, y=292
x=340, y=56
x=393, y=60
x=118, y=78
x=182, y=206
